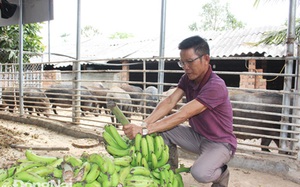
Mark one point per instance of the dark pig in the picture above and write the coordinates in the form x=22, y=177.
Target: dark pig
x=61, y=95
x=150, y=99
x=34, y=100
x=10, y=98
x=135, y=93
x=256, y=97
x=100, y=95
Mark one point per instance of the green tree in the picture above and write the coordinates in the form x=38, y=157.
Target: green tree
x=217, y=17
x=9, y=42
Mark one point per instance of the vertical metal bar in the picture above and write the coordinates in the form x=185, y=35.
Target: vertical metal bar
x=76, y=70
x=288, y=70
x=21, y=59
x=49, y=33
x=296, y=102
x=161, y=65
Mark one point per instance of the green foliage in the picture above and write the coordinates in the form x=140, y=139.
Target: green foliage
x=279, y=37
x=9, y=42
x=89, y=31
x=217, y=17
x=120, y=35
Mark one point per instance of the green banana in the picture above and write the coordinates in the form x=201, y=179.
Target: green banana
x=57, y=173
x=103, y=177
x=163, y=180
x=97, y=159
x=93, y=173
x=83, y=171
x=56, y=163
x=110, y=165
x=150, y=144
x=158, y=146
x=37, y=158
x=84, y=156
x=118, y=168
x=164, y=158
x=144, y=148
x=171, y=176
x=140, y=170
x=123, y=174
x=179, y=178
x=155, y=174
x=175, y=182
x=131, y=150
x=73, y=161
x=117, y=152
x=153, y=161
x=42, y=171
x=133, y=160
x=109, y=140
x=123, y=161
x=106, y=183
x=21, y=160
x=137, y=142
x=3, y=175
x=117, y=137
x=7, y=173
x=114, y=178
x=27, y=176
x=145, y=163
x=11, y=171
x=139, y=180
x=139, y=159
x=7, y=182
x=27, y=165
x=93, y=184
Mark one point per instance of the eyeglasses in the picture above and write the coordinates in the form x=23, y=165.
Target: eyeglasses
x=188, y=62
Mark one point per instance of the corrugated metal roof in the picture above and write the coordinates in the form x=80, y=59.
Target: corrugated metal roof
x=222, y=44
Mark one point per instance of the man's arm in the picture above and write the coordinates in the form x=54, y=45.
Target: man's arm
x=190, y=109
x=161, y=110
x=165, y=106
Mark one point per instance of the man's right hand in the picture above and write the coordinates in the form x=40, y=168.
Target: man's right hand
x=131, y=130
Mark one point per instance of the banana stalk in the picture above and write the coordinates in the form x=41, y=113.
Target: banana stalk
x=117, y=112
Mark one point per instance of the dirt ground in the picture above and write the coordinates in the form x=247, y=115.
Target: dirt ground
x=31, y=135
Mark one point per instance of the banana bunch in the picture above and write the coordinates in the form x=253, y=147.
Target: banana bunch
x=115, y=144
x=129, y=163
x=150, y=151
x=31, y=170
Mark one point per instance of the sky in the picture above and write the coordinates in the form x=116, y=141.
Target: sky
x=143, y=17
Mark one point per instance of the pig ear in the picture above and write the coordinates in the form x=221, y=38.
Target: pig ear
x=7, y=9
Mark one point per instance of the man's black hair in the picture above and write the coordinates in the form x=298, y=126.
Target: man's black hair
x=199, y=44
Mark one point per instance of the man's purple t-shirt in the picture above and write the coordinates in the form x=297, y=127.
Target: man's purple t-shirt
x=214, y=123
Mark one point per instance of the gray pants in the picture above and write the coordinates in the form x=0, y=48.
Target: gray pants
x=212, y=155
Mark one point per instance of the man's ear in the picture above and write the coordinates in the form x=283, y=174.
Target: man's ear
x=206, y=57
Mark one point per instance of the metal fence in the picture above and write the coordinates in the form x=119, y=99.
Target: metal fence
x=79, y=97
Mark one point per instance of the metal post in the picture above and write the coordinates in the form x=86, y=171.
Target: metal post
x=21, y=80
x=286, y=100
x=296, y=102
x=161, y=65
x=76, y=69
